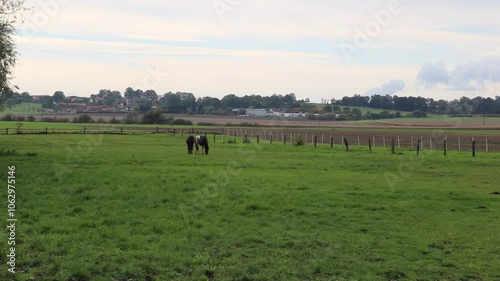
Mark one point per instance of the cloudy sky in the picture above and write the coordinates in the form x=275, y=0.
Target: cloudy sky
x=316, y=48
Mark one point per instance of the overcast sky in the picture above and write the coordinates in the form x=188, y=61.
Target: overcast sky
x=317, y=49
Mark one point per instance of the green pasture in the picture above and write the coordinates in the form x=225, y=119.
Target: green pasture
x=57, y=126
x=137, y=207
x=23, y=108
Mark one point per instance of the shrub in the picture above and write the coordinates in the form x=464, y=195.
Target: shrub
x=206, y=124
x=114, y=121
x=85, y=118
x=154, y=117
x=248, y=124
x=31, y=118
x=298, y=141
x=101, y=121
x=182, y=122
x=19, y=127
x=419, y=114
x=8, y=117
x=131, y=118
x=20, y=118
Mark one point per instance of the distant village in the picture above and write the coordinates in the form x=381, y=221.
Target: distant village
x=74, y=104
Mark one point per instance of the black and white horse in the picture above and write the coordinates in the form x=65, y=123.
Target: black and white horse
x=197, y=142
x=203, y=142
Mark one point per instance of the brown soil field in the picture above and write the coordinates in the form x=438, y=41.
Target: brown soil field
x=445, y=122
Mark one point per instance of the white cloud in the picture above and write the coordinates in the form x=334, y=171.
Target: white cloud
x=390, y=88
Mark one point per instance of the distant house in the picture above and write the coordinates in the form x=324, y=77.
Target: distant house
x=39, y=97
x=290, y=114
x=258, y=112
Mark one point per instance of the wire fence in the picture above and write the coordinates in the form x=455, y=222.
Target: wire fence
x=425, y=141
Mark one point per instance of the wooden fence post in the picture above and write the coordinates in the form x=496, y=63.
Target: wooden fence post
x=418, y=146
x=459, y=144
x=445, y=147
x=214, y=137
x=46, y=130
x=487, y=147
x=393, y=146
x=271, y=139
x=383, y=139
x=315, y=141
x=346, y=144
x=258, y=139
x=473, y=147
x=370, y=144
x=246, y=138
x=284, y=139
x=331, y=142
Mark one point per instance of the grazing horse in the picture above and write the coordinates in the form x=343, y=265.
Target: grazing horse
x=203, y=142
x=190, y=143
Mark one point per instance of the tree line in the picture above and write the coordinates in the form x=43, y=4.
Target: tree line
x=141, y=101
x=462, y=106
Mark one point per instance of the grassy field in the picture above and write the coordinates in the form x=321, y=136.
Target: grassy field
x=24, y=108
x=136, y=207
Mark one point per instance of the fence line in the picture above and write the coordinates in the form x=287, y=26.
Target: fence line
x=485, y=144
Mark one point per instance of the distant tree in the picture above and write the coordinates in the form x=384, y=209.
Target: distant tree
x=231, y=101
x=25, y=97
x=58, y=97
x=143, y=105
x=150, y=95
x=58, y=108
x=48, y=102
x=153, y=117
x=171, y=103
x=10, y=103
x=357, y=113
x=328, y=108
x=418, y=114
